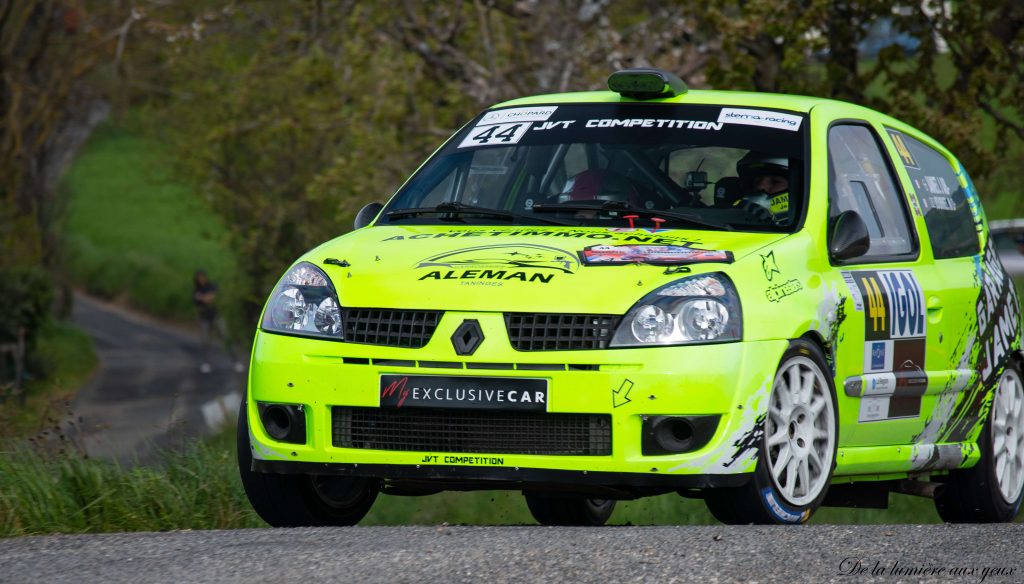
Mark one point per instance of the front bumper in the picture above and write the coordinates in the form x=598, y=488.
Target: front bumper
x=730, y=380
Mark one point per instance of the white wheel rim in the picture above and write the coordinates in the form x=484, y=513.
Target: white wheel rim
x=1008, y=435
x=800, y=431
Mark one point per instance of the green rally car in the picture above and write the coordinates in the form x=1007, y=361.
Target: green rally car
x=768, y=302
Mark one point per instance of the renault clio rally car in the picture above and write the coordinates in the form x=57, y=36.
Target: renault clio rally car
x=768, y=302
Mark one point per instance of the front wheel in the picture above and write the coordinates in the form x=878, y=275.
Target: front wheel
x=991, y=491
x=569, y=509
x=798, y=450
x=301, y=500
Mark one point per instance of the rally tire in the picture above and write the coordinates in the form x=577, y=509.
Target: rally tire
x=975, y=495
x=801, y=425
x=569, y=510
x=285, y=500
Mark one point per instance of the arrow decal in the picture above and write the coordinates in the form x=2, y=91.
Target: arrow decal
x=620, y=396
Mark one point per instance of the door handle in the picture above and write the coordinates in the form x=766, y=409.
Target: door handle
x=934, y=309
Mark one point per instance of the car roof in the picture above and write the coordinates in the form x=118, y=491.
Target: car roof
x=798, y=103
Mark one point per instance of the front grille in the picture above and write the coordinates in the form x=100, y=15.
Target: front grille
x=489, y=432
x=410, y=329
x=560, y=332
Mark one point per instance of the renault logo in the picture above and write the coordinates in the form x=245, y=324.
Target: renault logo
x=467, y=337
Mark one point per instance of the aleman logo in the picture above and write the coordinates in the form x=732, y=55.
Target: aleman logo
x=523, y=262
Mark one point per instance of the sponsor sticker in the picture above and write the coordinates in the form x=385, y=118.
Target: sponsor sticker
x=765, y=118
x=776, y=293
x=858, y=300
x=880, y=383
x=464, y=393
x=519, y=114
x=496, y=134
x=650, y=254
x=874, y=408
x=878, y=356
x=780, y=511
x=901, y=148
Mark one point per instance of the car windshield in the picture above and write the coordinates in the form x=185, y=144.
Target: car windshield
x=615, y=165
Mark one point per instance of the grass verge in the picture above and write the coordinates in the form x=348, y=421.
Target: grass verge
x=196, y=488
x=199, y=488
x=136, y=234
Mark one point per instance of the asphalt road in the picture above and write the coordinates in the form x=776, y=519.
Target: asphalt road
x=148, y=390
x=988, y=553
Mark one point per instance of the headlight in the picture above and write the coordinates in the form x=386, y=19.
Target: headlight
x=692, y=310
x=304, y=303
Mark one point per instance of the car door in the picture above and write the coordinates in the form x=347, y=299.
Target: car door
x=886, y=347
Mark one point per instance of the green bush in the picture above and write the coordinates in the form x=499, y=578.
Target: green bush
x=27, y=293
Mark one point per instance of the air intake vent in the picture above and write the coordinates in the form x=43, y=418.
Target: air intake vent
x=485, y=432
x=409, y=329
x=560, y=332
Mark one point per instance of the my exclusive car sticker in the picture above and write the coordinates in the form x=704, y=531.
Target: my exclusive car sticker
x=458, y=392
x=651, y=254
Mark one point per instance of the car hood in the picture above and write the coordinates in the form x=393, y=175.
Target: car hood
x=546, y=269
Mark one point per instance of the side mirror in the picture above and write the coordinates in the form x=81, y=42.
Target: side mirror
x=850, y=238
x=367, y=214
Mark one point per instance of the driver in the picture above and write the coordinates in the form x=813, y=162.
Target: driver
x=598, y=185
x=766, y=178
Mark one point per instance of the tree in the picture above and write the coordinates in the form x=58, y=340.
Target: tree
x=46, y=47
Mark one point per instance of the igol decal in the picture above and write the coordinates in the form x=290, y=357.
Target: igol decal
x=894, y=377
x=651, y=254
x=502, y=262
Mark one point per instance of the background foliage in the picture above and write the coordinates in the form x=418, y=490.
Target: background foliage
x=289, y=116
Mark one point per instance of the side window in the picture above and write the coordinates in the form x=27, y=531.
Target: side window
x=860, y=180
x=946, y=208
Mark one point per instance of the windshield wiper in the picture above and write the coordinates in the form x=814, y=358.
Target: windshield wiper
x=622, y=208
x=453, y=209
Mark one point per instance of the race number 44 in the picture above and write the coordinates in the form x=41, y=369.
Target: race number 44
x=495, y=134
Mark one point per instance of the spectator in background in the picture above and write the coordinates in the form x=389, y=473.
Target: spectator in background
x=204, y=295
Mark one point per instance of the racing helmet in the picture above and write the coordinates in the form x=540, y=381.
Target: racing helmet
x=755, y=164
x=600, y=185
